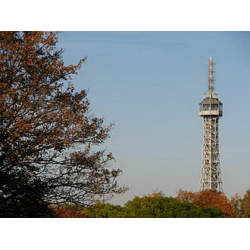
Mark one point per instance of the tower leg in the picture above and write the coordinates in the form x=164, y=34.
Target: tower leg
x=211, y=173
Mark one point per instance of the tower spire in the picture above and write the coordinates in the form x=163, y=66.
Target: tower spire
x=211, y=77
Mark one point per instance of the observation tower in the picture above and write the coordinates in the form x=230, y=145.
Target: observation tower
x=211, y=111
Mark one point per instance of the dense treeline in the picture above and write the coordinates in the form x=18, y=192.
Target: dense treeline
x=205, y=204
x=146, y=207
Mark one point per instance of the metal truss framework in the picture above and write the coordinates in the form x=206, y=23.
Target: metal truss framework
x=211, y=173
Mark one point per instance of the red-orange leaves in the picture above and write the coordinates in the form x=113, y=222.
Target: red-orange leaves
x=208, y=198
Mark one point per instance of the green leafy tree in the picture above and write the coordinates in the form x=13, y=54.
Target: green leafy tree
x=167, y=207
x=46, y=129
x=103, y=210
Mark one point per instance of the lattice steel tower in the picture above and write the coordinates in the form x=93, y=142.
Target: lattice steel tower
x=211, y=111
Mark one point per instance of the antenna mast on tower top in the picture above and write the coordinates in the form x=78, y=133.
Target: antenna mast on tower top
x=210, y=94
x=211, y=76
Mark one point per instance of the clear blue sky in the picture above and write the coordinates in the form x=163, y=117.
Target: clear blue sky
x=150, y=85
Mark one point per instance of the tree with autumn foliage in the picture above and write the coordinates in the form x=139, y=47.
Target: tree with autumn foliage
x=47, y=130
x=208, y=198
x=245, y=204
x=67, y=211
x=242, y=205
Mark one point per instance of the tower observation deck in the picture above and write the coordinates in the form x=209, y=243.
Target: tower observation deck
x=211, y=110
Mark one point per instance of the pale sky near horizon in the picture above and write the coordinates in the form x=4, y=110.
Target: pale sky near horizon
x=150, y=85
